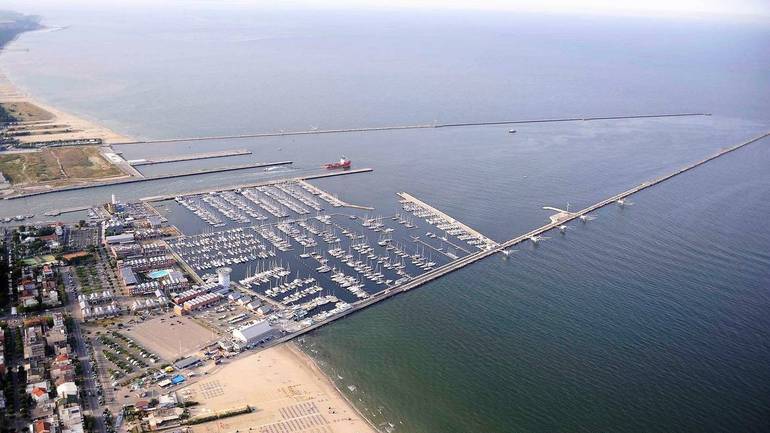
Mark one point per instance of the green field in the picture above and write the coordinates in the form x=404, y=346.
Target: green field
x=57, y=165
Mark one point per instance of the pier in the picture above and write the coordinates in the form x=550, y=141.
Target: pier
x=405, y=127
x=57, y=212
x=189, y=157
x=152, y=178
x=482, y=254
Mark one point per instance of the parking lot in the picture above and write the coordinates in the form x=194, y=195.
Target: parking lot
x=170, y=336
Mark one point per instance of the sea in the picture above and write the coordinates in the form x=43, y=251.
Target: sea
x=651, y=317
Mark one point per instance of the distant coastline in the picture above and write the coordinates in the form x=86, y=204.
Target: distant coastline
x=12, y=24
x=32, y=132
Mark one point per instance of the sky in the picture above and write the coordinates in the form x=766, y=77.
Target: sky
x=625, y=7
x=757, y=9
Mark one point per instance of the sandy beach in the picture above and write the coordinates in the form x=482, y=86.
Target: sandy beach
x=9, y=92
x=285, y=387
x=41, y=122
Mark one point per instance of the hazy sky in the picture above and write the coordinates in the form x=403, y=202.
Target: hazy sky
x=753, y=8
x=678, y=7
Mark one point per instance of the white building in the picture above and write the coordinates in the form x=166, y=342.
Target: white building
x=253, y=333
x=223, y=277
x=66, y=389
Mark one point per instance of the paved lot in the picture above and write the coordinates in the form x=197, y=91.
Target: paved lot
x=170, y=336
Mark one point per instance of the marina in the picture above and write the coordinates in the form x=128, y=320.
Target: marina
x=316, y=269
x=288, y=244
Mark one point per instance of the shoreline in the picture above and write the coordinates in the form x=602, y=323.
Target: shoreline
x=39, y=118
x=12, y=92
x=294, y=346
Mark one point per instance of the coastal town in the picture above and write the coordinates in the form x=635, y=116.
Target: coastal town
x=109, y=330
x=215, y=219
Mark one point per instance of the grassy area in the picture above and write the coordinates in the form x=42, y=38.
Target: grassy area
x=39, y=260
x=26, y=168
x=25, y=111
x=57, y=164
x=89, y=280
x=85, y=162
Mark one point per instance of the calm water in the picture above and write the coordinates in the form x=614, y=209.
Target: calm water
x=649, y=318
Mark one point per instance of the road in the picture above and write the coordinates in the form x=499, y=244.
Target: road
x=90, y=402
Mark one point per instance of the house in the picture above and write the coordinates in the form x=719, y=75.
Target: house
x=39, y=395
x=62, y=358
x=162, y=417
x=58, y=320
x=47, y=272
x=36, y=371
x=34, y=343
x=167, y=400
x=32, y=385
x=71, y=418
x=51, y=298
x=61, y=374
x=42, y=426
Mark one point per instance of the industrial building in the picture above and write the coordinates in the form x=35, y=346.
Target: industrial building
x=188, y=362
x=254, y=333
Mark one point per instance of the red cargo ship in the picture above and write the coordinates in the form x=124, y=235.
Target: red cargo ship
x=342, y=163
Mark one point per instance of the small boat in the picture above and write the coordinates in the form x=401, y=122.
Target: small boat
x=342, y=163
x=511, y=131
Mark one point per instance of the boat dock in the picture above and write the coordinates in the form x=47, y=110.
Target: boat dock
x=481, y=254
x=156, y=198
x=405, y=127
x=152, y=178
x=189, y=157
x=334, y=201
x=407, y=198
